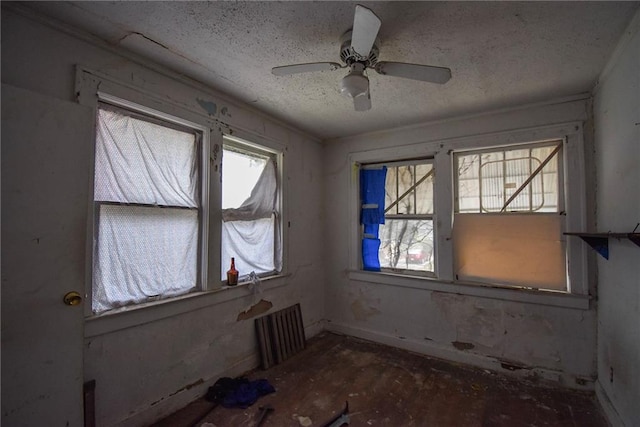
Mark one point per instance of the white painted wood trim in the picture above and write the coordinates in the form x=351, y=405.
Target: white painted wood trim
x=280, y=150
x=355, y=237
x=457, y=119
x=214, y=165
x=141, y=314
x=607, y=407
x=93, y=85
x=548, y=298
x=575, y=192
x=443, y=209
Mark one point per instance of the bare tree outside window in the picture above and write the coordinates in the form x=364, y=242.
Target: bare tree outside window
x=407, y=235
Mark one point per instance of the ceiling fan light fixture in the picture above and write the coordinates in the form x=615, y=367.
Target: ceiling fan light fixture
x=354, y=84
x=358, y=51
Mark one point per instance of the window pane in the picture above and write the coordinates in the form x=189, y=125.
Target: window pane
x=240, y=173
x=501, y=179
x=518, y=249
x=407, y=244
x=391, y=190
x=252, y=245
x=144, y=253
x=250, y=217
x=406, y=180
x=424, y=190
x=487, y=181
x=144, y=163
x=548, y=195
x=468, y=192
x=409, y=189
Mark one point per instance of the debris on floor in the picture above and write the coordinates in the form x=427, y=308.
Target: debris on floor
x=238, y=392
x=305, y=421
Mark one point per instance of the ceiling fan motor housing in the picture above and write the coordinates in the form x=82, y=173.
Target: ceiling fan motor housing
x=349, y=55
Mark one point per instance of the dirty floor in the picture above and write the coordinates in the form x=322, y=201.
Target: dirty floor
x=386, y=386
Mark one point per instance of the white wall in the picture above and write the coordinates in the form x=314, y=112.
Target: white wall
x=476, y=326
x=617, y=151
x=145, y=369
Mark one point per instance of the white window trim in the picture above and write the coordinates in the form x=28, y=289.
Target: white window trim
x=90, y=85
x=430, y=217
x=204, y=283
x=442, y=150
x=277, y=150
x=134, y=315
x=280, y=150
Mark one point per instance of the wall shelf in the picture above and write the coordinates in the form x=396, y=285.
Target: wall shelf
x=600, y=241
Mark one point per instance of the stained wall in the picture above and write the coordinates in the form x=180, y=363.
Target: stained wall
x=617, y=152
x=148, y=363
x=470, y=324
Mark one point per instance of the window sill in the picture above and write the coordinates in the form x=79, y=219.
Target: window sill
x=135, y=315
x=550, y=298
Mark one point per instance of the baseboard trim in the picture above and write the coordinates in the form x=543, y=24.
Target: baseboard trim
x=431, y=349
x=314, y=329
x=607, y=407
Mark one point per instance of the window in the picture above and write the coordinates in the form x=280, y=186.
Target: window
x=508, y=180
x=406, y=242
x=507, y=226
x=165, y=220
x=148, y=208
x=495, y=216
x=251, y=220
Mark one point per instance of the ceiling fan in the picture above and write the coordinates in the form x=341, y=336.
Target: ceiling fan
x=358, y=51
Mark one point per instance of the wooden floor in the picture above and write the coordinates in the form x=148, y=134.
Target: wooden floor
x=390, y=387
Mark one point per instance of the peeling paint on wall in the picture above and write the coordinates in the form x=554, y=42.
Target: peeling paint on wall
x=462, y=345
x=260, y=307
x=209, y=106
x=512, y=366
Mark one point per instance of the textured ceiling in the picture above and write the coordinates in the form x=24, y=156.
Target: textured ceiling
x=501, y=54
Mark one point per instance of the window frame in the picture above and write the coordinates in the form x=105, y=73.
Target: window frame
x=142, y=112
x=431, y=216
x=93, y=87
x=573, y=188
x=276, y=152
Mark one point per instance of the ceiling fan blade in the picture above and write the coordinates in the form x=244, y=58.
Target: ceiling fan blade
x=305, y=68
x=425, y=73
x=365, y=30
x=362, y=102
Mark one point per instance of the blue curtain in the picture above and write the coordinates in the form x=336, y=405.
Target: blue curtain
x=372, y=182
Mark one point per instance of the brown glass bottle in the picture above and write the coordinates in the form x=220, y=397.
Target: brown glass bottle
x=232, y=274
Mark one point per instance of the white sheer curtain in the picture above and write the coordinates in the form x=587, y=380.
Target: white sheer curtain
x=144, y=253
x=145, y=163
x=146, y=182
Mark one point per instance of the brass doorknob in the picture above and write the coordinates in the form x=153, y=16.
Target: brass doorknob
x=72, y=298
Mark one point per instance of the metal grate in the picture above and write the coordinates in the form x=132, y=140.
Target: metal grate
x=280, y=335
